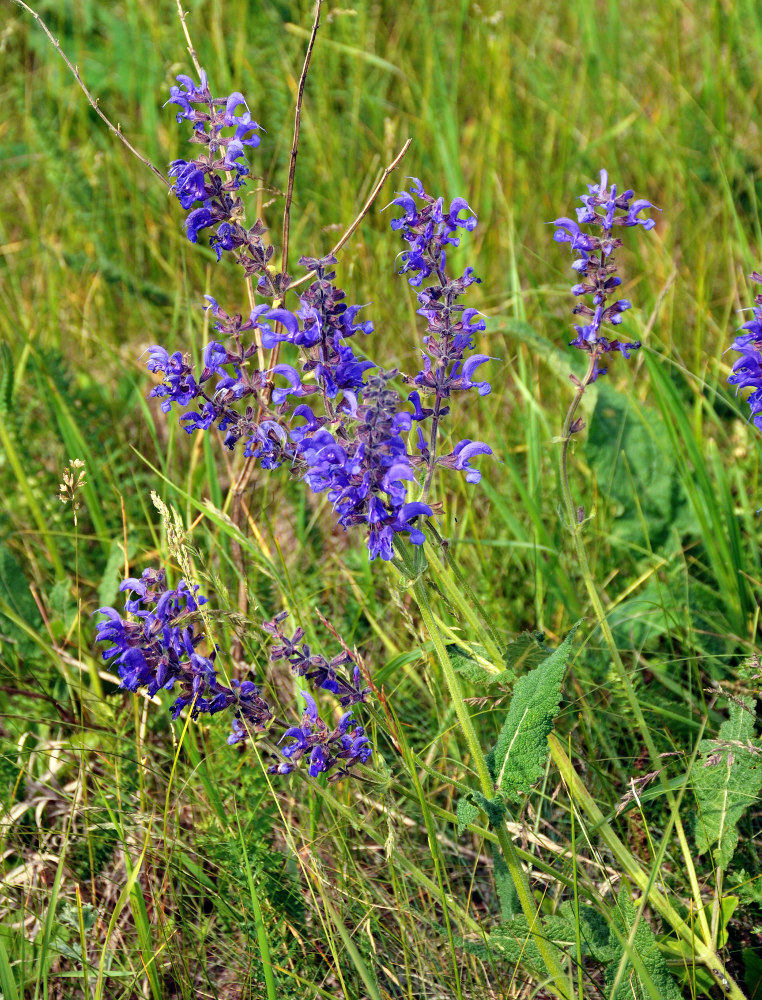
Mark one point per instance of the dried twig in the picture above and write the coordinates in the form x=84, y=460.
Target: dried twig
x=93, y=100
x=363, y=211
x=191, y=51
x=295, y=143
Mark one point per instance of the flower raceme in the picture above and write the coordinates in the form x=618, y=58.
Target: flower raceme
x=327, y=411
x=604, y=211
x=156, y=646
x=429, y=231
x=207, y=186
x=747, y=370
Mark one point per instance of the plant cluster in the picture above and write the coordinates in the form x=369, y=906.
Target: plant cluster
x=286, y=383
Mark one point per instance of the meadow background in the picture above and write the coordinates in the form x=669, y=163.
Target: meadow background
x=166, y=870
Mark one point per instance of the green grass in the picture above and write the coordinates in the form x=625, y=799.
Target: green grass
x=142, y=863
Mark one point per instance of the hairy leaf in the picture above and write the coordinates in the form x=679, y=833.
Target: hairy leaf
x=518, y=759
x=512, y=941
x=728, y=782
x=624, y=449
x=646, y=978
x=506, y=891
x=15, y=595
x=473, y=670
x=466, y=812
x=527, y=650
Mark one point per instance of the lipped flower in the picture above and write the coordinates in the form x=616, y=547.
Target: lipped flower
x=156, y=646
x=326, y=749
x=607, y=212
x=747, y=370
x=207, y=186
x=430, y=230
x=314, y=667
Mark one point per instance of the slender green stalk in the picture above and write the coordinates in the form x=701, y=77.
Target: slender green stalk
x=82, y=942
x=456, y=589
x=262, y=940
x=703, y=950
x=577, y=926
x=510, y=855
x=575, y=528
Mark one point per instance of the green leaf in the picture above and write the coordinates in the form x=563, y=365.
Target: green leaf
x=19, y=603
x=513, y=942
x=466, y=812
x=7, y=376
x=728, y=782
x=625, y=451
x=506, y=890
x=518, y=759
x=527, y=650
x=645, y=974
x=469, y=667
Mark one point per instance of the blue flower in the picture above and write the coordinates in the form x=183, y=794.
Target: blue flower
x=606, y=210
x=227, y=132
x=326, y=749
x=199, y=218
x=747, y=370
x=429, y=231
x=157, y=648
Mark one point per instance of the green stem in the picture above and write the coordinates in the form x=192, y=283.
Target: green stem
x=575, y=527
x=470, y=611
x=520, y=880
x=703, y=951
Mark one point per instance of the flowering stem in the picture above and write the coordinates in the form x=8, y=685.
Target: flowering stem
x=441, y=380
x=432, y=448
x=455, y=590
x=518, y=876
x=575, y=527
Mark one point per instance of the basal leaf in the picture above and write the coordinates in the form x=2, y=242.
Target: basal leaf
x=518, y=759
x=726, y=782
x=513, y=941
x=506, y=891
x=647, y=977
x=526, y=651
x=623, y=448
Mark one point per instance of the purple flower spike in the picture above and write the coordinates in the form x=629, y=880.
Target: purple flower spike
x=747, y=370
x=604, y=209
x=429, y=232
x=156, y=648
x=211, y=180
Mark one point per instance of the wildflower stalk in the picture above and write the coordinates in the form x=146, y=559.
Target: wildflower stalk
x=461, y=594
x=510, y=854
x=575, y=528
x=706, y=953
x=596, y=265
